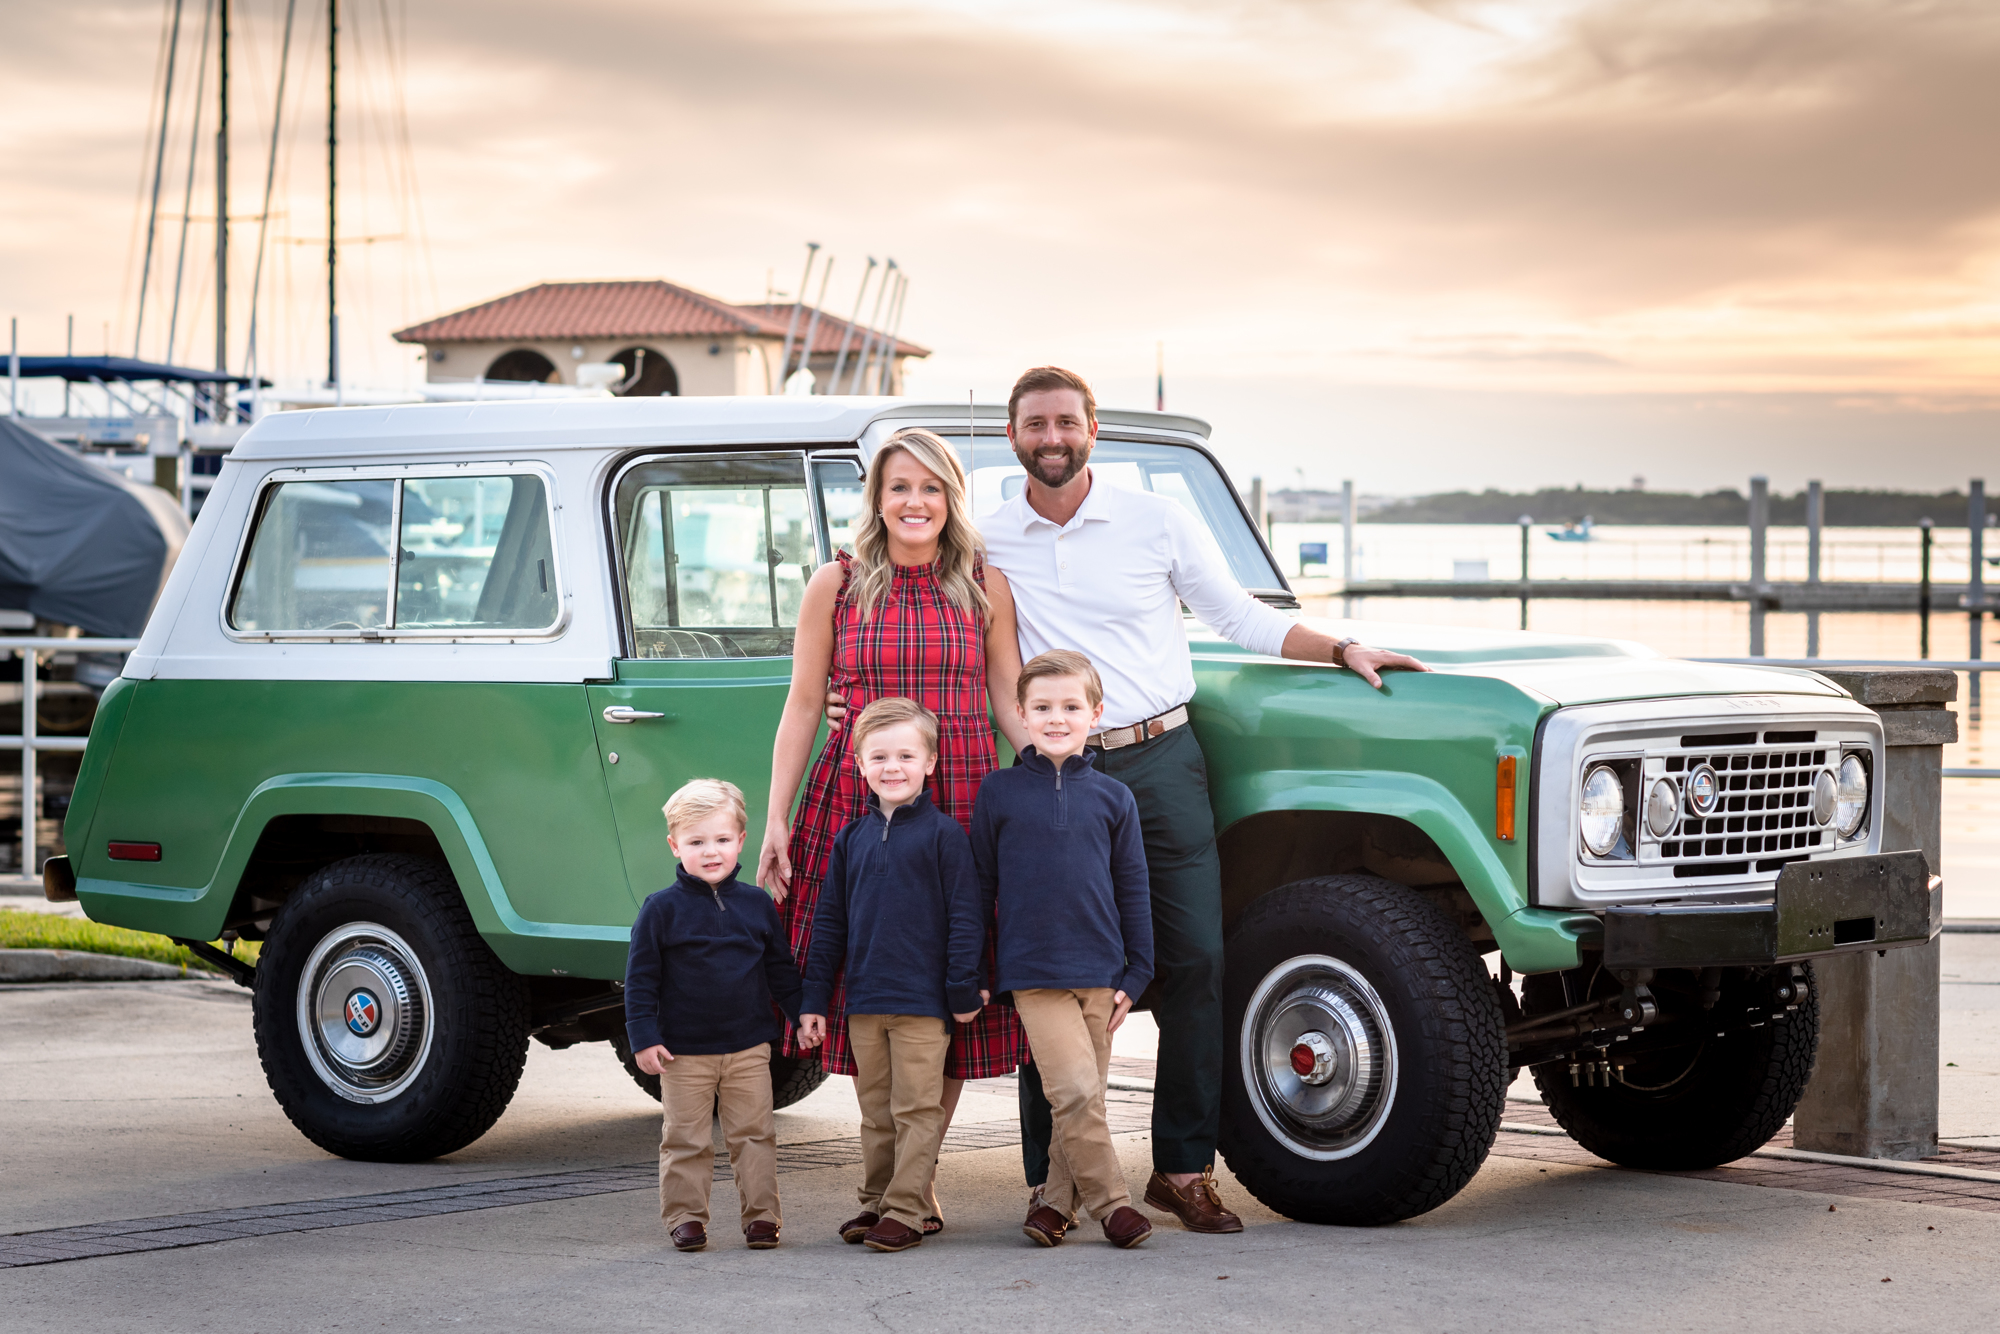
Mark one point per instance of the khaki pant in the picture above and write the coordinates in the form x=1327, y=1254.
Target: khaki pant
x=899, y=1080
x=1068, y=1031
x=695, y=1091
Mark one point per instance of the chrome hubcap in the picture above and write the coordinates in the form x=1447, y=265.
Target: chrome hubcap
x=364, y=1012
x=1319, y=1057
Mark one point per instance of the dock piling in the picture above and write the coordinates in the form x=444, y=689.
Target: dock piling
x=1346, y=546
x=1527, y=526
x=1815, y=520
x=1760, y=523
x=1975, y=581
x=1924, y=588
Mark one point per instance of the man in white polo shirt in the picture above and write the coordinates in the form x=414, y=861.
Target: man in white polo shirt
x=1104, y=571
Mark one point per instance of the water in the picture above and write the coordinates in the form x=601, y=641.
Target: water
x=1695, y=629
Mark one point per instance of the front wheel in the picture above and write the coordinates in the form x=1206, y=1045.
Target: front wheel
x=387, y=1028
x=1367, y=1058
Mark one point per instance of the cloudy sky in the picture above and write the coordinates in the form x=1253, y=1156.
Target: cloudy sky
x=1423, y=244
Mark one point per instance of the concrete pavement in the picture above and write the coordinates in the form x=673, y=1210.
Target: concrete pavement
x=130, y=1100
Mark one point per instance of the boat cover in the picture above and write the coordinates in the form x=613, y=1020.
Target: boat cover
x=79, y=545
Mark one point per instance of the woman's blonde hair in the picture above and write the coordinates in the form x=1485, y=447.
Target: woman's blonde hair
x=959, y=548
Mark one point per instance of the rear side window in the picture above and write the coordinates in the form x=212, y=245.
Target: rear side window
x=400, y=557
x=716, y=552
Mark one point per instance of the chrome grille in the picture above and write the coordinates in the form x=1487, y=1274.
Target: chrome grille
x=1763, y=812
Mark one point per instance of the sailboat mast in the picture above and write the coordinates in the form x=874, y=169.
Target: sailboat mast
x=332, y=180
x=222, y=212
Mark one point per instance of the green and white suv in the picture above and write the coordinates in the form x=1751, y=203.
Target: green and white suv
x=411, y=700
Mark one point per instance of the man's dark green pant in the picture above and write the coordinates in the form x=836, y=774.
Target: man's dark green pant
x=1169, y=779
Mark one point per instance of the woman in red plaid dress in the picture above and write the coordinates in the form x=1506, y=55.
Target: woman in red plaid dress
x=912, y=613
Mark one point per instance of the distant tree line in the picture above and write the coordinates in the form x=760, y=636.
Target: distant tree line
x=1852, y=509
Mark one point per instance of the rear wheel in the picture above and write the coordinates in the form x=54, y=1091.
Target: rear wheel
x=793, y=1078
x=1367, y=1060
x=386, y=1027
x=1688, y=1102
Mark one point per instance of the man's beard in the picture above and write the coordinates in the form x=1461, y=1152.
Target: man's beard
x=1072, y=464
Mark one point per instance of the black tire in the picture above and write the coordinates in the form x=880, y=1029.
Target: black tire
x=1424, y=1131
x=1692, y=1105
x=793, y=1078
x=396, y=925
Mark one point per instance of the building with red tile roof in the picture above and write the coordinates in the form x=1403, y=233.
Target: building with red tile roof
x=669, y=339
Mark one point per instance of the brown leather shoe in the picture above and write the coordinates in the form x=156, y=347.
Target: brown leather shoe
x=1196, y=1204
x=890, y=1235
x=855, y=1228
x=1044, y=1226
x=1125, y=1227
x=761, y=1235
x=689, y=1237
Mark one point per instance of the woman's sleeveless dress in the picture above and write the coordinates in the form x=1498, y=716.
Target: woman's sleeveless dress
x=922, y=646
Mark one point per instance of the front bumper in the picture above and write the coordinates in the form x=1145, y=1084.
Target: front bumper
x=1840, y=905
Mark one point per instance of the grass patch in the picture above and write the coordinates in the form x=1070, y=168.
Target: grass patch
x=43, y=931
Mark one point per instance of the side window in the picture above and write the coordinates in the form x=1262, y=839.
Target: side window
x=319, y=559
x=475, y=553
x=400, y=556
x=839, y=482
x=717, y=550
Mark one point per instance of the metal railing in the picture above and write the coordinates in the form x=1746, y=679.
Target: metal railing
x=30, y=742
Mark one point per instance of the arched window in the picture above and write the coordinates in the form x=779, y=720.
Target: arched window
x=649, y=372
x=522, y=364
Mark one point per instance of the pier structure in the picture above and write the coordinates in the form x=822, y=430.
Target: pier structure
x=1813, y=595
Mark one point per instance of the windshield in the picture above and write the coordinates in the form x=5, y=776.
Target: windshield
x=1182, y=474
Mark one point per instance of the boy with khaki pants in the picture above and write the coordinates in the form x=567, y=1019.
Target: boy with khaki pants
x=1058, y=847
x=708, y=959
x=898, y=913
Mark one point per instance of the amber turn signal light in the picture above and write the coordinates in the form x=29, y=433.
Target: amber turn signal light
x=1503, y=799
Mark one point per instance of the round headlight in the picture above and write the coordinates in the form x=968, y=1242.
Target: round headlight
x=1603, y=810
x=1663, y=807
x=1823, y=797
x=1850, y=797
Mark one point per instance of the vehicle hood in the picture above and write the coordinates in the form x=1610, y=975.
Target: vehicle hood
x=1563, y=669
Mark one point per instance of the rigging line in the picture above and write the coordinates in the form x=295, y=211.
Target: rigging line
x=270, y=177
x=194, y=156
x=145, y=151
x=400, y=60
x=159, y=166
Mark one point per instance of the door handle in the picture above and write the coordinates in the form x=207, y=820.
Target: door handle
x=619, y=713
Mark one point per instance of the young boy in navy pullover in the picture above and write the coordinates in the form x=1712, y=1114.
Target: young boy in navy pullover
x=898, y=911
x=708, y=959
x=1057, y=844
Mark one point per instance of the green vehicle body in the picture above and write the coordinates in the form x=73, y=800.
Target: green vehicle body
x=204, y=760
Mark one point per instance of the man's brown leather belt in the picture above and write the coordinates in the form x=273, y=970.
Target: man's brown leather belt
x=1111, y=738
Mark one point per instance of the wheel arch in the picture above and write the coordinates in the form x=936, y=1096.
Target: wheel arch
x=291, y=814
x=1277, y=827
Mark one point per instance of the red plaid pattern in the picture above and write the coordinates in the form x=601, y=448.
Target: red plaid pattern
x=921, y=646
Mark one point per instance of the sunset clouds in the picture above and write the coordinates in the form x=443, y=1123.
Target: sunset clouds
x=1449, y=218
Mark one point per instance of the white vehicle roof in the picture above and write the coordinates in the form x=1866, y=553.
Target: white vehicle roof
x=575, y=443
x=419, y=431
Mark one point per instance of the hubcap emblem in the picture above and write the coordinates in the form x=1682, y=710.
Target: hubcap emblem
x=364, y=1013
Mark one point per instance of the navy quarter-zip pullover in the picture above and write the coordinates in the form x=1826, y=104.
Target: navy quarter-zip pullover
x=899, y=911
x=705, y=966
x=1060, y=851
